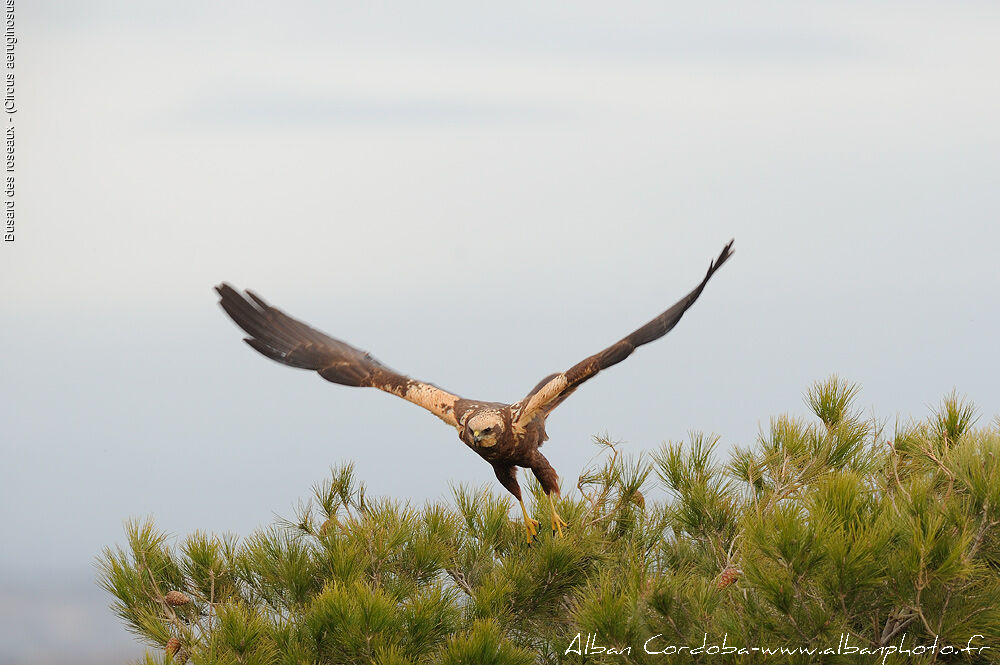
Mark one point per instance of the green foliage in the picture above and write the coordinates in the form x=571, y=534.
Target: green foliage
x=820, y=529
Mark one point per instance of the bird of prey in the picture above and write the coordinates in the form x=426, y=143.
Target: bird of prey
x=505, y=435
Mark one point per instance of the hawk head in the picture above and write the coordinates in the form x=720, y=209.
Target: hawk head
x=484, y=428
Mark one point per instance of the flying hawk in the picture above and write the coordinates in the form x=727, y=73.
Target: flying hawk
x=505, y=435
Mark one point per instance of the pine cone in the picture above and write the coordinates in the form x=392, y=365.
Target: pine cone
x=173, y=646
x=647, y=588
x=727, y=577
x=181, y=657
x=176, y=598
x=639, y=500
x=327, y=525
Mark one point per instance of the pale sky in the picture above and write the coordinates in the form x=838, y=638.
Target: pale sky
x=479, y=197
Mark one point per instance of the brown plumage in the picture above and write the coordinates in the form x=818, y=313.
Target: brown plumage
x=505, y=435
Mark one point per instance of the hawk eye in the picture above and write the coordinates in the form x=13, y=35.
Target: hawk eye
x=487, y=430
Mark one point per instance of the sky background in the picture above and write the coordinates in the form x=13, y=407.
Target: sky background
x=478, y=195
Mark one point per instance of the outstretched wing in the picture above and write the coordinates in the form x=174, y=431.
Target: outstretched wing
x=291, y=342
x=553, y=389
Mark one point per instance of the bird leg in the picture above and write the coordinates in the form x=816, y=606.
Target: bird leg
x=530, y=525
x=557, y=522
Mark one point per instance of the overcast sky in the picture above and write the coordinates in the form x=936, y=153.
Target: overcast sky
x=479, y=196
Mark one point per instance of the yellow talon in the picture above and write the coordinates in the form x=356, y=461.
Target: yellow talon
x=530, y=525
x=557, y=522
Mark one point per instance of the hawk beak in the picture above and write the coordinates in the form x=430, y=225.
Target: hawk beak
x=476, y=436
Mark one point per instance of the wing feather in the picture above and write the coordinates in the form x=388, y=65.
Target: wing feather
x=291, y=342
x=555, y=388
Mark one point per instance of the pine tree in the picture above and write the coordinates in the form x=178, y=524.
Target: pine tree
x=819, y=530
